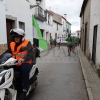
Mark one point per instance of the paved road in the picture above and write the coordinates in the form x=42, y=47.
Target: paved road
x=60, y=77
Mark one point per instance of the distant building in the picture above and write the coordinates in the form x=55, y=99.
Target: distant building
x=56, y=30
x=78, y=32
x=49, y=25
x=74, y=34
x=64, y=28
x=68, y=28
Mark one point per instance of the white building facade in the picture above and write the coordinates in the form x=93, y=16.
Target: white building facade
x=90, y=29
x=17, y=13
x=64, y=28
x=78, y=32
x=57, y=25
x=53, y=25
x=49, y=26
x=94, y=36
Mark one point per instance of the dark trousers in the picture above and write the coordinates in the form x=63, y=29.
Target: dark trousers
x=24, y=69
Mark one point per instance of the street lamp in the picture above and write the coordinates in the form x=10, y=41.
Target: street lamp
x=37, y=2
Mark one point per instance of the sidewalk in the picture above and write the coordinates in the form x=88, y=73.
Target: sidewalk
x=91, y=78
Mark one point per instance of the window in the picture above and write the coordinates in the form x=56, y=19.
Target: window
x=42, y=32
x=63, y=27
x=22, y=25
x=55, y=35
x=49, y=19
x=68, y=30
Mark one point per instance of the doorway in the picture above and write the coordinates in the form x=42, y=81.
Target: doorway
x=9, y=26
x=94, y=44
x=82, y=39
x=46, y=36
x=85, y=37
x=42, y=32
x=55, y=35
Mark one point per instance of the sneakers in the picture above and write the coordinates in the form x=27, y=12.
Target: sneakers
x=23, y=95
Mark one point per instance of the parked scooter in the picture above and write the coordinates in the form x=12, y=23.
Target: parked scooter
x=10, y=81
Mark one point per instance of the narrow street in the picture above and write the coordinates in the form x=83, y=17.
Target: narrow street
x=60, y=77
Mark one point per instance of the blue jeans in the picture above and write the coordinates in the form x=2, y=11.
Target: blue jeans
x=24, y=69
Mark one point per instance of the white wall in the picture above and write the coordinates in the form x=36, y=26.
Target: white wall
x=78, y=33
x=49, y=27
x=3, y=39
x=43, y=4
x=63, y=26
x=41, y=24
x=59, y=31
x=19, y=9
x=86, y=18
x=95, y=20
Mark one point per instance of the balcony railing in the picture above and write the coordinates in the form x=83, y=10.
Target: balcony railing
x=40, y=14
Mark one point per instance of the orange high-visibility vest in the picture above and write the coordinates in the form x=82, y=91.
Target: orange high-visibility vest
x=18, y=54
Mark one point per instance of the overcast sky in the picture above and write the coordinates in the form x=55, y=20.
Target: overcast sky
x=70, y=7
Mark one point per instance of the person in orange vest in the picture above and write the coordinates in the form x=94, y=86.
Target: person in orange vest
x=21, y=49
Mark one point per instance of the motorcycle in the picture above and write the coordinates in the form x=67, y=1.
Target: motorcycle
x=10, y=81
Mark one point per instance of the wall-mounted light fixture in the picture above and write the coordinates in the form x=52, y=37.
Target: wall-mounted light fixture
x=37, y=2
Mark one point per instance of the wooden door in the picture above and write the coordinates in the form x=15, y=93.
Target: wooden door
x=9, y=26
x=85, y=37
x=83, y=40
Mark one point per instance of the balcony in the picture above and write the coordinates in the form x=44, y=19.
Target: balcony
x=40, y=14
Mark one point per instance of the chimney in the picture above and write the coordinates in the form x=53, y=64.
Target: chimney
x=65, y=15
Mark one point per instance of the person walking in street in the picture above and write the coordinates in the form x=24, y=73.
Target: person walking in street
x=51, y=42
x=58, y=42
x=54, y=41
x=69, y=44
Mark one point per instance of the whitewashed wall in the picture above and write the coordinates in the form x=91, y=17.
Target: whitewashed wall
x=49, y=27
x=59, y=31
x=19, y=9
x=95, y=20
x=63, y=26
x=43, y=3
x=85, y=18
x=3, y=39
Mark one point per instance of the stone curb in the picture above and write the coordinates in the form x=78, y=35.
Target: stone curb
x=88, y=88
